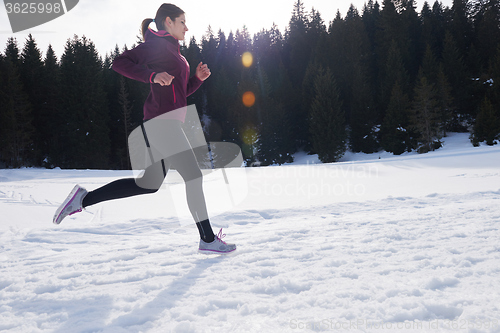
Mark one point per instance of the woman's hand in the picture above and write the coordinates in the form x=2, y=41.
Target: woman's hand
x=163, y=79
x=202, y=71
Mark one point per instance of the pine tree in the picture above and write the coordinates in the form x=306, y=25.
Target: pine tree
x=280, y=119
x=118, y=90
x=84, y=111
x=222, y=93
x=410, y=42
x=50, y=108
x=267, y=48
x=16, y=128
x=495, y=76
x=275, y=131
x=395, y=131
x=276, y=136
x=425, y=115
x=363, y=116
x=487, y=29
x=214, y=96
x=430, y=65
x=338, y=59
x=12, y=52
x=444, y=101
x=127, y=124
x=209, y=55
x=247, y=117
x=371, y=17
x=118, y=158
x=438, y=21
x=31, y=73
x=427, y=34
x=487, y=126
x=193, y=56
x=461, y=26
x=327, y=122
x=395, y=73
x=308, y=89
x=297, y=50
x=388, y=32
x=455, y=70
x=434, y=73
x=296, y=39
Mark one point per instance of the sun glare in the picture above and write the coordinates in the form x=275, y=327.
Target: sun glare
x=249, y=136
x=247, y=59
x=248, y=99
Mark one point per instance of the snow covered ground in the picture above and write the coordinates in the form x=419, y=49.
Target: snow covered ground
x=375, y=243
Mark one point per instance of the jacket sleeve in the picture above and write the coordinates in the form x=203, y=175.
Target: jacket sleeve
x=133, y=63
x=193, y=84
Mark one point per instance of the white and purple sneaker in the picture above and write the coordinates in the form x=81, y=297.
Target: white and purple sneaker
x=72, y=204
x=218, y=246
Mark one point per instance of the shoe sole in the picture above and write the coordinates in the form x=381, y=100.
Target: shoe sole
x=215, y=252
x=71, y=197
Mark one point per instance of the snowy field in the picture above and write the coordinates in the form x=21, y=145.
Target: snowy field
x=375, y=243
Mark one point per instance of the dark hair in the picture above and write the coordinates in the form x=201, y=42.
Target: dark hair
x=165, y=10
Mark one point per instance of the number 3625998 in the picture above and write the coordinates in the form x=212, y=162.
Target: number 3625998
x=33, y=7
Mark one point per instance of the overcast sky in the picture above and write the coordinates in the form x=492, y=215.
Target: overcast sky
x=116, y=22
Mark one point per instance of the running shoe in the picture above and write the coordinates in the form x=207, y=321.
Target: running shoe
x=72, y=204
x=218, y=246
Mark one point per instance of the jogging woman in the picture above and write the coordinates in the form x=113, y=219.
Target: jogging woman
x=158, y=61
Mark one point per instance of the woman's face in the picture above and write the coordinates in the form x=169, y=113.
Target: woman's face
x=177, y=27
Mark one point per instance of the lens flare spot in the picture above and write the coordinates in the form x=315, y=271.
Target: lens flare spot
x=247, y=59
x=249, y=136
x=248, y=99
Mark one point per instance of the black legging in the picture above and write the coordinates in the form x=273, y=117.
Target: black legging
x=151, y=180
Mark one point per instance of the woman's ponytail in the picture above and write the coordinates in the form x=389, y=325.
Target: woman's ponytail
x=165, y=10
x=144, y=27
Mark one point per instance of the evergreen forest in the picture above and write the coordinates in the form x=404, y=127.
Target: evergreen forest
x=384, y=77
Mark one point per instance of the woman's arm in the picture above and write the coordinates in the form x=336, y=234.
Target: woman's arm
x=133, y=63
x=202, y=73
